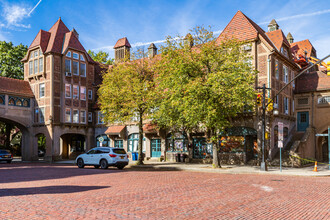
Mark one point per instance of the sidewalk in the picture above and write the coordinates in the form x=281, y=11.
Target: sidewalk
x=323, y=170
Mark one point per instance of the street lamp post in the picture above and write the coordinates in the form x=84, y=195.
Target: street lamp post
x=263, y=166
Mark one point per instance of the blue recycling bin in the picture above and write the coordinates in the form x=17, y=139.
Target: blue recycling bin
x=134, y=156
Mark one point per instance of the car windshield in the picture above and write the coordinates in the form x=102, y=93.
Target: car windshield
x=119, y=151
x=4, y=152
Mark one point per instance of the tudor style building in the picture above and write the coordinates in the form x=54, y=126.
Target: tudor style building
x=63, y=82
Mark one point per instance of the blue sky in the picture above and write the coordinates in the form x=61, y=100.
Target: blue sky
x=100, y=23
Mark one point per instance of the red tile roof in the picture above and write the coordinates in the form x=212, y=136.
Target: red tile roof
x=242, y=28
x=278, y=38
x=299, y=48
x=41, y=39
x=122, y=42
x=57, y=36
x=115, y=130
x=15, y=87
x=310, y=82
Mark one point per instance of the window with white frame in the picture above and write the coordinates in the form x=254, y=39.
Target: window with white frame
x=68, y=54
x=67, y=66
x=41, y=64
x=68, y=115
x=75, y=56
x=286, y=105
x=75, y=94
x=75, y=68
x=83, y=117
x=35, y=66
x=41, y=90
x=67, y=90
x=82, y=92
x=90, y=94
x=277, y=72
x=75, y=116
x=90, y=116
x=36, y=53
x=83, y=69
x=100, y=117
x=286, y=74
x=30, y=68
x=323, y=100
x=42, y=115
x=82, y=57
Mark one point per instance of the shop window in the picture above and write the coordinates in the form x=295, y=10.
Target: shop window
x=133, y=143
x=201, y=148
x=2, y=100
x=119, y=143
x=232, y=144
x=177, y=143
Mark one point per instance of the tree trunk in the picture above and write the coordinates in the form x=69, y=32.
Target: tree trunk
x=140, y=159
x=9, y=127
x=215, y=144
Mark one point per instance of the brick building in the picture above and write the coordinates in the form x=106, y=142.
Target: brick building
x=63, y=80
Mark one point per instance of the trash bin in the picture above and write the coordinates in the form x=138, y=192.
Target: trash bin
x=134, y=156
x=182, y=158
x=177, y=157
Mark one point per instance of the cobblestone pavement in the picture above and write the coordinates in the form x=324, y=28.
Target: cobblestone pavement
x=41, y=191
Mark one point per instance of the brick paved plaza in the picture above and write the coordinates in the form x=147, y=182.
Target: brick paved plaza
x=41, y=191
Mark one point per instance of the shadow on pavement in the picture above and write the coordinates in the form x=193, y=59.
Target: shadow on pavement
x=47, y=190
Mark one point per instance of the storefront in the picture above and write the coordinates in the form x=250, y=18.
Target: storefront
x=176, y=144
x=201, y=149
x=237, y=145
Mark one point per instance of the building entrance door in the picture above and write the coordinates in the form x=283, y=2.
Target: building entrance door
x=155, y=148
x=302, y=121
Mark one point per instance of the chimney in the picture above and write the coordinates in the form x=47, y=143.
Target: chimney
x=273, y=26
x=152, y=50
x=122, y=49
x=289, y=38
x=75, y=33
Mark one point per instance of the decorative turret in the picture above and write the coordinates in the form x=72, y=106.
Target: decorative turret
x=152, y=50
x=273, y=26
x=289, y=38
x=122, y=49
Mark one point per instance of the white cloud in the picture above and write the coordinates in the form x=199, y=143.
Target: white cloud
x=14, y=15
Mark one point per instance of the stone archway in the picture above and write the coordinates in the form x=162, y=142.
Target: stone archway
x=71, y=145
x=28, y=151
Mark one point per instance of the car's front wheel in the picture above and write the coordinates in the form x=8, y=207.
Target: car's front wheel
x=104, y=164
x=80, y=163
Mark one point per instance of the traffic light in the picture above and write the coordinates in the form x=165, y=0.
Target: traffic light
x=270, y=107
x=328, y=68
x=259, y=101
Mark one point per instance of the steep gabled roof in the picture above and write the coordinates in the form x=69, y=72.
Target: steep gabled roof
x=41, y=40
x=311, y=82
x=57, y=36
x=15, y=87
x=278, y=38
x=299, y=48
x=122, y=42
x=242, y=28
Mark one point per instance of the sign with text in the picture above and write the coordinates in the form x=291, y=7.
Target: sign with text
x=280, y=131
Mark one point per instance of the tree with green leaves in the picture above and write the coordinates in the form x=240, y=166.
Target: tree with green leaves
x=203, y=87
x=10, y=60
x=127, y=94
x=101, y=57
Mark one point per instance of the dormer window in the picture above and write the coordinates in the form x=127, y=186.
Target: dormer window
x=82, y=57
x=284, y=51
x=75, y=56
x=68, y=54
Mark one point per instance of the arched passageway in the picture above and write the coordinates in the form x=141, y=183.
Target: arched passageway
x=72, y=145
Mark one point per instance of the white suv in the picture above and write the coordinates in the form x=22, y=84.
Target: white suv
x=103, y=157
